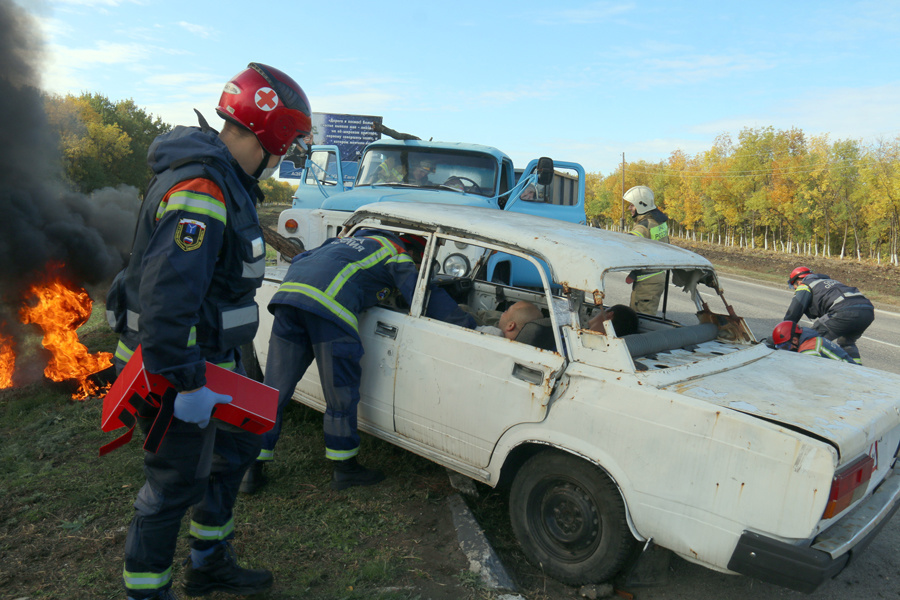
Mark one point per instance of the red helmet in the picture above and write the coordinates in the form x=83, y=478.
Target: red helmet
x=268, y=103
x=414, y=242
x=798, y=273
x=784, y=331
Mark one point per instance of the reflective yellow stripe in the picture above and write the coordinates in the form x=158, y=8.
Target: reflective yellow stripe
x=266, y=454
x=400, y=258
x=200, y=204
x=330, y=303
x=660, y=231
x=340, y=454
x=123, y=352
x=230, y=365
x=205, y=532
x=387, y=250
x=643, y=277
x=192, y=337
x=146, y=581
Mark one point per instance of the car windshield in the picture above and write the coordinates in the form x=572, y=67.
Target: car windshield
x=469, y=172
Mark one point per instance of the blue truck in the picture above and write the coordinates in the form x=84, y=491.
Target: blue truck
x=414, y=170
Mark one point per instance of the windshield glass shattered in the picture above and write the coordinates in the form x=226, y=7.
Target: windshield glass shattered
x=469, y=172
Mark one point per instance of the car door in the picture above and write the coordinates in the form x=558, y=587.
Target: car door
x=457, y=390
x=379, y=329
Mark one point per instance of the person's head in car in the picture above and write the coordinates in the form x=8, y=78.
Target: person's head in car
x=514, y=318
x=624, y=320
x=420, y=172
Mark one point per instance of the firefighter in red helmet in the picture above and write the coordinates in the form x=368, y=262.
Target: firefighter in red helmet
x=790, y=336
x=187, y=297
x=840, y=313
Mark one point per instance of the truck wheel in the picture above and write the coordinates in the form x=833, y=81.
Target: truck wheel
x=569, y=519
x=251, y=363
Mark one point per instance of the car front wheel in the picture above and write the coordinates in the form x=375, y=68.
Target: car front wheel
x=569, y=519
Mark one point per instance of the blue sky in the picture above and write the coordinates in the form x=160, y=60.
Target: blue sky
x=585, y=81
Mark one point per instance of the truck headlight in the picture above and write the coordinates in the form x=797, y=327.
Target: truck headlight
x=456, y=265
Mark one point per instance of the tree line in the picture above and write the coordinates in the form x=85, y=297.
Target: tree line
x=104, y=144
x=776, y=189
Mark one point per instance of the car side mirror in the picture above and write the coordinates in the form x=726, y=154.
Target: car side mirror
x=545, y=170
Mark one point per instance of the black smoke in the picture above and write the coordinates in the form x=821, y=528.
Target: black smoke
x=42, y=222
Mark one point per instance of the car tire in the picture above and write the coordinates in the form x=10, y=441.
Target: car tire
x=570, y=519
x=251, y=363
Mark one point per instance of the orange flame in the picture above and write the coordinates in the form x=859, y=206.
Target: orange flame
x=59, y=311
x=7, y=360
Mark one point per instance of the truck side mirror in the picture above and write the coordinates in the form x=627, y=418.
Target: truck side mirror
x=545, y=170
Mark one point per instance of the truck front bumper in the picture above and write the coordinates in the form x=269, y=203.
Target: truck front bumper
x=807, y=566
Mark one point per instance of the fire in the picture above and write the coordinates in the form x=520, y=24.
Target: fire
x=59, y=311
x=7, y=360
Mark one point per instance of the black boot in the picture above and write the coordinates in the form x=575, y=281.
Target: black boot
x=220, y=572
x=254, y=479
x=348, y=473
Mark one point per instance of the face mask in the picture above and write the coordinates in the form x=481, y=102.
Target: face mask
x=270, y=171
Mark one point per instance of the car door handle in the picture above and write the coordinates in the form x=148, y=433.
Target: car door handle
x=528, y=374
x=386, y=330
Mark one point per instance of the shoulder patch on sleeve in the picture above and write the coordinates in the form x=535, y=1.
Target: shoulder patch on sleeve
x=189, y=234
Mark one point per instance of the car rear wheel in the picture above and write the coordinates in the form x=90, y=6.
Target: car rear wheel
x=569, y=519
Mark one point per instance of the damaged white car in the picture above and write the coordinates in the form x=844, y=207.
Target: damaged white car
x=690, y=434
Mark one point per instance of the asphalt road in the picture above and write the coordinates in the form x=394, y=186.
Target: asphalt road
x=876, y=572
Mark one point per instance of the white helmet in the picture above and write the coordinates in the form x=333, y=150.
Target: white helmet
x=641, y=197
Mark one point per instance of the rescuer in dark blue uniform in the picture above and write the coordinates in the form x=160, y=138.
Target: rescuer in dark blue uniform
x=187, y=297
x=841, y=313
x=316, y=313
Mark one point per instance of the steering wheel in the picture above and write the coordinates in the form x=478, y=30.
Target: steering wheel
x=471, y=186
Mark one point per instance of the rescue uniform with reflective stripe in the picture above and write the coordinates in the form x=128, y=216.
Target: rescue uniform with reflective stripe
x=316, y=313
x=648, y=286
x=187, y=297
x=840, y=312
x=815, y=345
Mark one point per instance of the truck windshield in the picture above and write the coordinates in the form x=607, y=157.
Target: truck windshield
x=469, y=172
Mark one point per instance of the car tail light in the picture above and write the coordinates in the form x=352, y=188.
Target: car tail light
x=849, y=485
x=291, y=226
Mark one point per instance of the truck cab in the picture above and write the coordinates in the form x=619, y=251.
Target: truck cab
x=433, y=172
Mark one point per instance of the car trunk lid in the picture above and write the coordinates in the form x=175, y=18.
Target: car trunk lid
x=849, y=406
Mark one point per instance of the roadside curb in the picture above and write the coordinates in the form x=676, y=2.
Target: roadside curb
x=483, y=560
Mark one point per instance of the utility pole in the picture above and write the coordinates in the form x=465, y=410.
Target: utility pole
x=622, y=220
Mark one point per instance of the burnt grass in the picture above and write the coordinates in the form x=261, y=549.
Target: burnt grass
x=64, y=510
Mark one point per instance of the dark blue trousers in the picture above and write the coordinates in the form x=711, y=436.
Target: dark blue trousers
x=194, y=469
x=845, y=326
x=297, y=338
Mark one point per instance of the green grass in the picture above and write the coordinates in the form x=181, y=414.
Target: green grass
x=64, y=511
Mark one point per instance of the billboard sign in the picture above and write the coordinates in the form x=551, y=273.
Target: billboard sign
x=350, y=133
